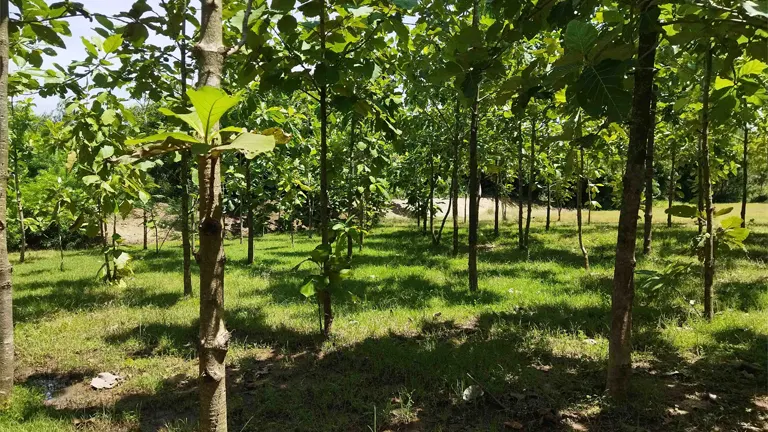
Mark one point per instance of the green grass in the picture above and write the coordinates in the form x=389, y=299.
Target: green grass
x=405, y=345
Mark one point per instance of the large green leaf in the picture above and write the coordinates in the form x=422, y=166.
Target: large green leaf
x=112, y=43
x=686, y=211
x=250, y=144
x=211, y=104
x=191, y=119
x=600, y=90
x=580, y=36
x=166, y=136
x=752, y=67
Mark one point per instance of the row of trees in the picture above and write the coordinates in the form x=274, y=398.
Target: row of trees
x=320, y=111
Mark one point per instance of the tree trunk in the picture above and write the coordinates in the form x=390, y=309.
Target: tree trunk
x=744, y=184
x=351, y=182
x=672, y=182
x=549, y=203
x=700, y=178
x=455, y=178
x=324, y=295
x=709, y=241
x=520, y=238
x=531, y=180
x=20, y=204
x=473, y=179
x=186, y=225
x=466, y=199
x=620, y=348
x=579, y=205
x=649, y=159
x=145, y=223
x=214, y=337
x=249, y=210
x=431, y=208
x=496, y=200
x=157, y=236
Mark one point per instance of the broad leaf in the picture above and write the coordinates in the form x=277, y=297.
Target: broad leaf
x=600, y=91
x=250, y=144
x=112, y=43
x=580, y=36
x=686, y=211
x=191, y=119
x=210, y=105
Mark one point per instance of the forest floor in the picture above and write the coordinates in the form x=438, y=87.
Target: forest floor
x=408, y=339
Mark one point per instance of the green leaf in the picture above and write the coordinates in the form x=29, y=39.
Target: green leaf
x=192, y=119
x=721, y=83
x=144, y=197
x=731, y=222
x=122, y=260
x=752, y=67
x=91, y=48
x=321, y=253
x=106, y=152
x=210, y=105
x=406, y=4
x=755, y=9
x=580, y=36
x=91, y=179
x=282, y=5
x=165, y=137
x=108, y=117
x=600, y=91
x=250, y=144
x=724, y=211
x=686, y=211
x=112, y=43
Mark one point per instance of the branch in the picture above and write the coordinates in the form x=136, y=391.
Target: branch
x=244, y=32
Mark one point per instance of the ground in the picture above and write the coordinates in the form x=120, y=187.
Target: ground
x=408, y=340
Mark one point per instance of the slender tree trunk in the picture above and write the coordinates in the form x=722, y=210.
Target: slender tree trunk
x=620, y=348
x=559, y=212
x=649, y=159
x=146, y=227
x=242, y=219
x=157, y=236
x=324, y=295
x=531, y=180
x=520, y=237
x=473, y=177
x=187, y=240
x=496, y=200
x=672, y=182
x=744, y=184
x=549, y=203
x=700, y=177
x=579, y=205
x=709, y=241
x=214, y=337
x=504, y=208
x=455, y=178
x=466, y=199
x=351, y=181
x=249, y=210
x=431, y=208
x=20, y=204
x=61, y=249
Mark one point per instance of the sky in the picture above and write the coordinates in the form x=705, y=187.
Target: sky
x=82, y=27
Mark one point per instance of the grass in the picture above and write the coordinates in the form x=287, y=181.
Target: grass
x=408, y=339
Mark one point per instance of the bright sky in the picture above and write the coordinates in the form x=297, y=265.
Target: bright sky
x=83, y=27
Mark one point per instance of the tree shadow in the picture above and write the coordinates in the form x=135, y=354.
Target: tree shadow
x=69, y=295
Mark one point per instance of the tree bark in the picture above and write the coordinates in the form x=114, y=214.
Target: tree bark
x=531, y=179
x=455, y=178
x=249, y=210
x=146, y=228
x=520, y=238
x=473, y=178
x=351, y=181
x=620, y=348
x=744, y=171
x=214, y=337
x=431, y=193
x=709, y=241
x=549, y=203
x=324, y=295
x=186, y=240
x=649, y=159
x=496, y=200
x=579, y=205
x=672, y=182
x=19, y=200
x=6, y=294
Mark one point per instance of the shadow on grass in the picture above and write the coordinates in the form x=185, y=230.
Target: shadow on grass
x=417, y=382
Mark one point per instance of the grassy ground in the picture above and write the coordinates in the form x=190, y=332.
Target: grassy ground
x=407, y=343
